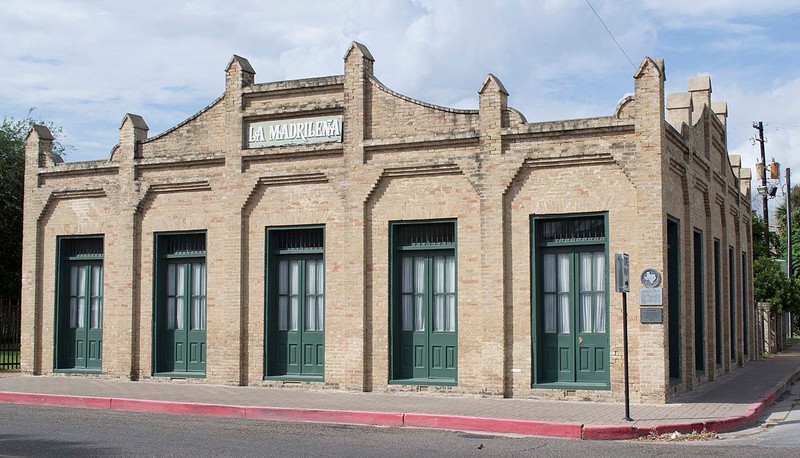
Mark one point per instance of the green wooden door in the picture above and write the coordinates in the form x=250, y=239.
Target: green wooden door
x=82, y=342
x=299, y=314
x=574, y=310
x=427, y=344
x=183, y=342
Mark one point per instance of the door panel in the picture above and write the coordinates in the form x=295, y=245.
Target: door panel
x=81, y=325
x=184, y=317
x=298, y=309
x=427, y=317
x=573, y=315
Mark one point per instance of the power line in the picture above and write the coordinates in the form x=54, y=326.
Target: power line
x=611, y=34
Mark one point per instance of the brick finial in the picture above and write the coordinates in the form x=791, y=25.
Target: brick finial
x=721, y=110
x=679, y=109
x=132, y=131
x=239, y=73
x=700, y=88
x=39, y=148
x=492, y=102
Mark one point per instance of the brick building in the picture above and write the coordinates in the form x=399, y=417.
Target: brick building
x=332, y=232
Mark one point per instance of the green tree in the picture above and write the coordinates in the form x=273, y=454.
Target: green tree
x=13, y=133
x=780, y=214
x=762, y=249
x=771, y=285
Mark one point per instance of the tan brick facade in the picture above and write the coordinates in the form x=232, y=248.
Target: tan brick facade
x=655, y=159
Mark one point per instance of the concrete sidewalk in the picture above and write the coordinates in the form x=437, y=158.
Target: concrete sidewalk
x=733, y=402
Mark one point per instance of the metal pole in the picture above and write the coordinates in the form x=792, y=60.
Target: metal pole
x=760, y=127
x=625, y=343
x=789, y=222
x=789, y=270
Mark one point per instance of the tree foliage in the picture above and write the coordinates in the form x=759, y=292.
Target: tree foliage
x=780, y=214
x=771, y=285
x=13, y=133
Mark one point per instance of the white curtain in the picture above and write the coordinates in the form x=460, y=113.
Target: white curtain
x=419, y=296
x=563, y=299
x=451, y=294
x=97, y=297
x=180, y=295
x=73, y=297
x=320, y=295
x=600, y=295
x=407, y=287
x=294, y=294
x=283, y=292
x=549, y=293
x=198, y=296
x=439, y=279
x=586, y=309
x=311, y=299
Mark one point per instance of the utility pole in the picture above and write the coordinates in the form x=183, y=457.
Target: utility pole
x=789, y=222
x=760, y=127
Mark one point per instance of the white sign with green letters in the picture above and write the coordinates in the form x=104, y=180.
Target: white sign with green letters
x=298, y=131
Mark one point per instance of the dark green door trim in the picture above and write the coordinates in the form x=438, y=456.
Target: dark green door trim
x=699, y=303
x=674, y=298
x=294, y=298
x=79, y=304
x=423, y=329
x=179, y=304
x=578, y=359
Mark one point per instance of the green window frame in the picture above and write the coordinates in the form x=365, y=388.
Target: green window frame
x=569, y=301
x=180, y=304
x=423, y=290
x=79, y=304
x=294, y=298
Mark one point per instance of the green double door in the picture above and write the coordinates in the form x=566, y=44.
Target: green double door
x=573, y=315
x=81, y=345
x=298, y=317
x=427, y=339
x=182, y=310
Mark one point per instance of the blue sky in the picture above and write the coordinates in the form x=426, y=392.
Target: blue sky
x=83, y=65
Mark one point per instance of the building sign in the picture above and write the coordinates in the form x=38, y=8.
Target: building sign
x=318, y=129
x=651, y=278
x=651, y=296
x=652, y=315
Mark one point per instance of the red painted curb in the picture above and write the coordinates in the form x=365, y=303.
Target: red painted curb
x=325, y=416
x=731, y=423
x=683, y=428
x=534, y=428
x=185, y=408
x=55, y=400
x=611, y=432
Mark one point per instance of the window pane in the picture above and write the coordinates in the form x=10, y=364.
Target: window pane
x=320, y=277
x=600, y=312
x=408, y=312
x=82, y=296
x=294, y=302
x=438, y=274
x=294, y=277
x=451, y=313
x=170, y=313
x=563, y=273
x=171, y=280
x=97, y=281
x=550, y=313
x=438, y=313
x=408, y=276
x=599, y=272
x=197, y=279
x=586, y=312
x=94, y=315
x=451, y=274
x=419, y=275
x=180, y=299
x=179, y=312
x=586, y=272
x=310, y=312
x=283, y=277
x=73, y=312
x=563, y=314
x=549, y=273
x=320, y=312
x=195, y=314
x=283, y=313
x=419, y=313
x=311, y=277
